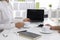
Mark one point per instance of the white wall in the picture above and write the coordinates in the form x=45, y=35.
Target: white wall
x=20, y=7
x=45, y=3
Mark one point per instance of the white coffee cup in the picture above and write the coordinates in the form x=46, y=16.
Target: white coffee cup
x=45, y=28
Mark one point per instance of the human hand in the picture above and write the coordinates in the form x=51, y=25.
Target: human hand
x=26, y=20
x=19, y=25
x=52, y=27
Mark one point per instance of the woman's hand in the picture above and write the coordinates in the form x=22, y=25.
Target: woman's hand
x=53, y=27
x=27, y=20
x=19, y=24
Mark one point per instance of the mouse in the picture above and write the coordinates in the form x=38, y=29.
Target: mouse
x=41, y=25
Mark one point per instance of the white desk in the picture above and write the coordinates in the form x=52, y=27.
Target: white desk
x=12, y=35
x=52, y=36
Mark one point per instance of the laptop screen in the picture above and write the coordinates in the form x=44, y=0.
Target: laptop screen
x=36, y=15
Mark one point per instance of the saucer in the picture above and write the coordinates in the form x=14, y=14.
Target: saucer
x=46, y=32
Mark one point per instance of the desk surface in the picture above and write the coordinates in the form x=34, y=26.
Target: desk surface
x=12, y=35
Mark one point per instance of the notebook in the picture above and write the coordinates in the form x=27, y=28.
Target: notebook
x=29, y=35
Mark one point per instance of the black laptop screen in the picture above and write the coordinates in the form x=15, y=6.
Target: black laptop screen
x=36, y=15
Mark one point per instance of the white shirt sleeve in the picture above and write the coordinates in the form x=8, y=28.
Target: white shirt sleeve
x=10, y=10
x=0, y=12
x=7, y=12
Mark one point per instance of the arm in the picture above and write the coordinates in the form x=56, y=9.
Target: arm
x=53, y=27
